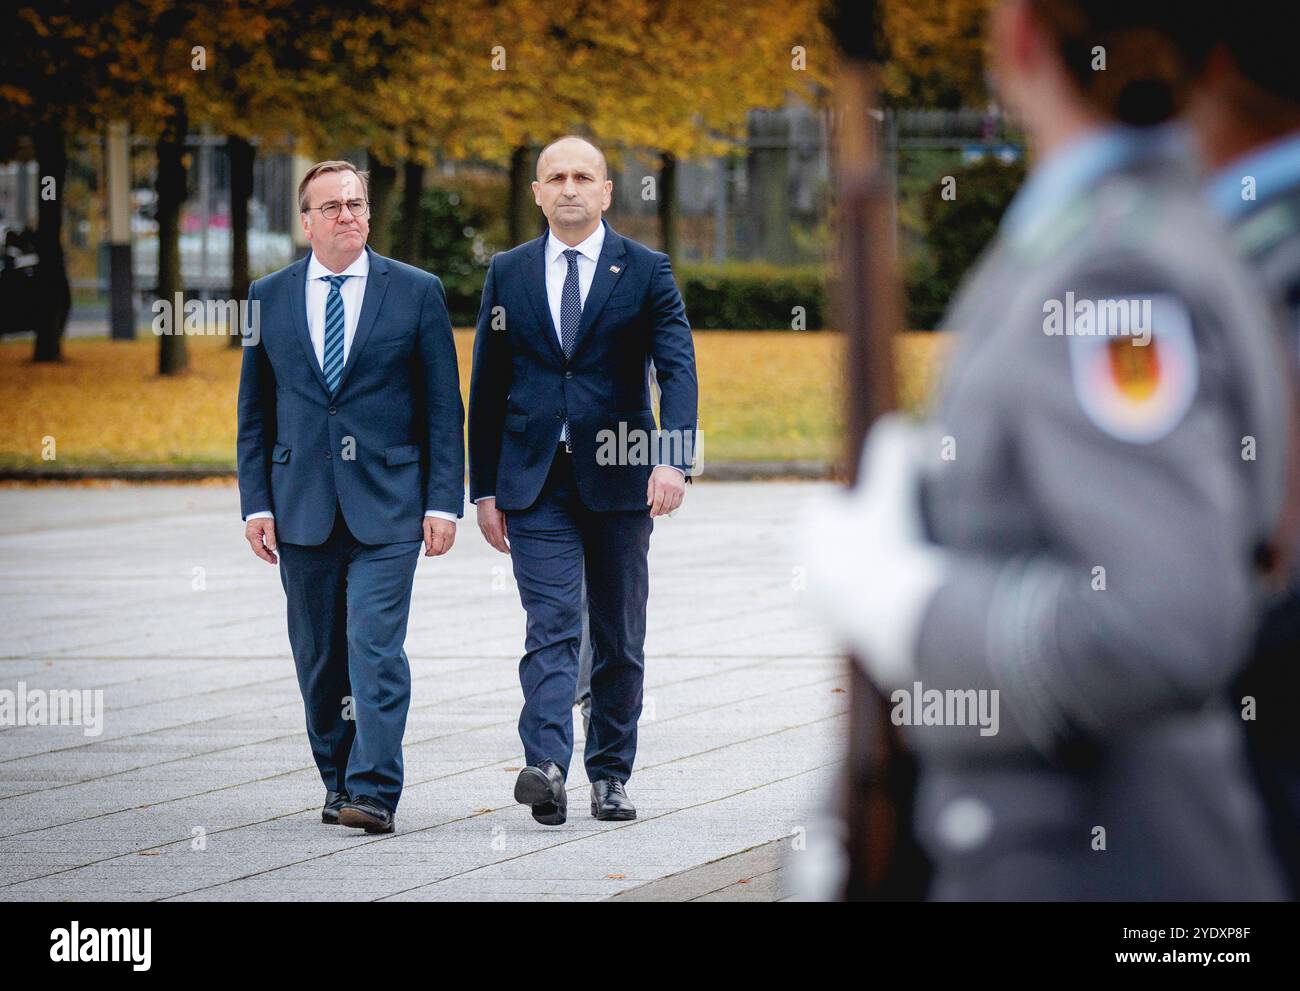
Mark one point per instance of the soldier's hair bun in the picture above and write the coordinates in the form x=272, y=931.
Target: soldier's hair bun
x=1122, y=55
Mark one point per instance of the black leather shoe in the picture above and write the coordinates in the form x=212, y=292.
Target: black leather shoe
x=363, y=812
x=609, y=801
x=542, y=787
x=334, y=800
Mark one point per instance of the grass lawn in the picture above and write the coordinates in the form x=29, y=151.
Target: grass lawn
x=764, y=395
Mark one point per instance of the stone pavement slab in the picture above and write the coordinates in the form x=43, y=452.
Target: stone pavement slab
x=197, y=783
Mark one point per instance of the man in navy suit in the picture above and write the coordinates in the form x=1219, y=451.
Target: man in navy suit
x=567, y=467
x=351, y=454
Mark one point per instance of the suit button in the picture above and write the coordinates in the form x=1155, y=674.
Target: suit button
x=333, y=410
x=568, y=375
x=328, y=455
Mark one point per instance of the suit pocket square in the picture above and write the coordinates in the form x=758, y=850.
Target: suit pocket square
x=402, y=455
x=280, y=454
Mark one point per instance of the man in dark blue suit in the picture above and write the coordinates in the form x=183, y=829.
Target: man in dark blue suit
x=568, y=469
x=351, y=453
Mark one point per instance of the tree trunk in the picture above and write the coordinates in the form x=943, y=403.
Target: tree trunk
x=769, y=186
x=54, y=295
x=667, y=204
x=173, y=356
x=241, y=153
x=408, y=235
x=383, y=184
x=525, y=217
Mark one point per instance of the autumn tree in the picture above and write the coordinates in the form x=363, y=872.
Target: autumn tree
x=936, y=53
x=252, y=90
x=55, y=53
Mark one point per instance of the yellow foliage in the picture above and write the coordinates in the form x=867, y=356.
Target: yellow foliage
x=936, y=52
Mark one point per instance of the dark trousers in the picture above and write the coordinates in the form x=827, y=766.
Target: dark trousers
x=348, y=604
x=551, y=544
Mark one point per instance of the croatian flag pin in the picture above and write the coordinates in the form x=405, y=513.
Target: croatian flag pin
x=615, y=269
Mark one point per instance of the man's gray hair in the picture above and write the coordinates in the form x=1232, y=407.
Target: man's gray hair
x=320, y=168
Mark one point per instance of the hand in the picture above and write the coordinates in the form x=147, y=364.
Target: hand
x=439, y=535
x=871, y=570
x=492, y=522
x=666, y=490
x=260, y=534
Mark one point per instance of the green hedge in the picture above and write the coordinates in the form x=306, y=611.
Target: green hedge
x=955, y=232
x=752, y=296
x=451, y=246
x=755, y=295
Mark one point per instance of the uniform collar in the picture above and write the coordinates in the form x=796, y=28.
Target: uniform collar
x=1274, y=167
x=589, y=247
x=1072, y=169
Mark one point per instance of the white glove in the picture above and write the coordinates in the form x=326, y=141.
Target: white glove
x=871, y=573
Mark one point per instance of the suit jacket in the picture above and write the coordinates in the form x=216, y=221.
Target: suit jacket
x=523, y=387
x=387, y=445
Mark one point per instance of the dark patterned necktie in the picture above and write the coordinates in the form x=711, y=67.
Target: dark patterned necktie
x=570, y=313
x=334, y=321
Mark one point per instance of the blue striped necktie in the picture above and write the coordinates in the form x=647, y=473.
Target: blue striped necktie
x=570, y=313
x=334, y=332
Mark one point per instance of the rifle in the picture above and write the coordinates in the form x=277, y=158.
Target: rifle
x=876, y=791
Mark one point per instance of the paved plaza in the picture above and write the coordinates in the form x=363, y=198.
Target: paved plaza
x=197, y=782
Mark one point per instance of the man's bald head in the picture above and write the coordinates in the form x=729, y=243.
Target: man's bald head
x=572, y=187
x=570, y=144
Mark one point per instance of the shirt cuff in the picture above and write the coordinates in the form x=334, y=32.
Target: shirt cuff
x=673, y=467
x=262, y=514
x=481, y=498
x=438, y=514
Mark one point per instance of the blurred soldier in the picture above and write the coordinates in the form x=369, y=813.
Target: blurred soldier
x=1245, y=110
x=1056, y=580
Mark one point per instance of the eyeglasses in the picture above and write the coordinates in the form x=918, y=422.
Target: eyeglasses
x=331, y=210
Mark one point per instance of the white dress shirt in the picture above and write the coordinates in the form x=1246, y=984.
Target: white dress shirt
x=557, y=270
x=353, y=291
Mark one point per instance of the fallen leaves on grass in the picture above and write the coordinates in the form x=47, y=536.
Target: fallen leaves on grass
x=764, y=395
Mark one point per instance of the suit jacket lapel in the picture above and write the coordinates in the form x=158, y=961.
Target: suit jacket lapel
x=611, y=259
x=376, y=286
x=536, y=293
x=299, y=306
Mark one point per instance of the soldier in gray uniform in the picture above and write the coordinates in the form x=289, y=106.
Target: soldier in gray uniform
x=1245, y=111
x=1056, y=579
